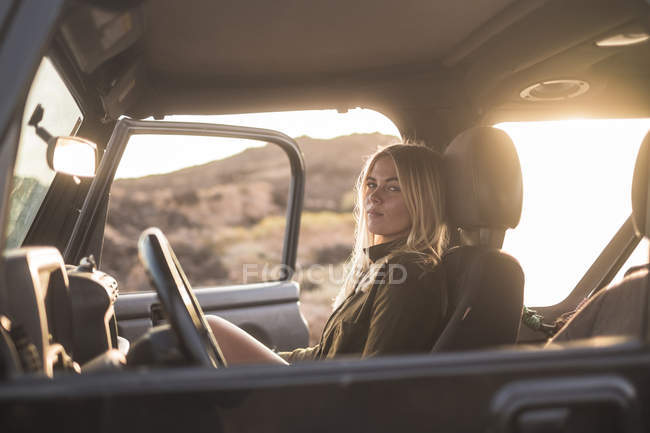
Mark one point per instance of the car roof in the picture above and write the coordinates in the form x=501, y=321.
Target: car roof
x=433, y=67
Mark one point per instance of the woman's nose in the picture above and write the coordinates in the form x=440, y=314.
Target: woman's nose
x=374, y=197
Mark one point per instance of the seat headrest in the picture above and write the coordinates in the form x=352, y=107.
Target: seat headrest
x=640, y=191
x=484, y=183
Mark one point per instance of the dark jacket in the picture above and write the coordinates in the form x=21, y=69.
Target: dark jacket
x=398, y=314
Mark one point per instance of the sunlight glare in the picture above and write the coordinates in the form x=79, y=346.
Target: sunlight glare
x=577, y=178
x=74, y=156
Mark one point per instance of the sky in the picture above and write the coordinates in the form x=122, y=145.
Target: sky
x=577, y=176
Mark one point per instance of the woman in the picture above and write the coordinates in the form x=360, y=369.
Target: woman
x=394, y=298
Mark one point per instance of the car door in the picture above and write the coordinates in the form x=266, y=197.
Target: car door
x=266, y=308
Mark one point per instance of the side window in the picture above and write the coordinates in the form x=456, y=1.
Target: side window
x=221, y=202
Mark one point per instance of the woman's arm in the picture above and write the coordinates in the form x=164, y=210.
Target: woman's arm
x=299, y=355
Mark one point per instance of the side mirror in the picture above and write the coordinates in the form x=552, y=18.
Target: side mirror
x=70, y=155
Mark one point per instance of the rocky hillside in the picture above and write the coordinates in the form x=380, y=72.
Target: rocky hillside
x=226, y=213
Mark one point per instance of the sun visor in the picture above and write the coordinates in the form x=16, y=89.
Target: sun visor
x=95, y=35
x=124, y=92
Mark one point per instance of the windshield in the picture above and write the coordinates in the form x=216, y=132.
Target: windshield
x=32, y=175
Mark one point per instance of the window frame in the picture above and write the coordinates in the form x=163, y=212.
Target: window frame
x=125, y=128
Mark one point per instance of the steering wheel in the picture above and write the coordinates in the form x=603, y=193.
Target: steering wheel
x=197, y=341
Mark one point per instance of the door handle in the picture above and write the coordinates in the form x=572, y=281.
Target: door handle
x=567, y=404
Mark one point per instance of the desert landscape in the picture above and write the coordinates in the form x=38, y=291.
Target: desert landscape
x=231, y=212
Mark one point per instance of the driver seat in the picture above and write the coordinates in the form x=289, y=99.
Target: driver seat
x=484, y=199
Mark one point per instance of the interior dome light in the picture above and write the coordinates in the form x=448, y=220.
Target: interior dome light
x=554, y=90
x=623, y=39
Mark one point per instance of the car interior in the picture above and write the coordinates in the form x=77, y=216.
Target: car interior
x=443, y=75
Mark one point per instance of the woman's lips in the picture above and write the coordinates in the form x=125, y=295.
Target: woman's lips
x=374, y=214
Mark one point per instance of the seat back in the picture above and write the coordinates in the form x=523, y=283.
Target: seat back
x=484, y=199
x=486, y=292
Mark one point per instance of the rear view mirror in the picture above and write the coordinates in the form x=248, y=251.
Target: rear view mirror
x=72, y=155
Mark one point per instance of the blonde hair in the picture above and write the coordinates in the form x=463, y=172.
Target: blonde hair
x=419, y=172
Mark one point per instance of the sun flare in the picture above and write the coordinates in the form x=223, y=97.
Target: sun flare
x=577, y=177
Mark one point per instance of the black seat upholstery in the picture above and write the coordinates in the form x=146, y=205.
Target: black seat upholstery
x=621, y=308
x=486, y=286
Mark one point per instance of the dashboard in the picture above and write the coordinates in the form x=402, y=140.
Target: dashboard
x=58, y=317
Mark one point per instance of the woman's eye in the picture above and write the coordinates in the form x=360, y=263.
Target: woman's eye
x=394, y=188
x=371, y=184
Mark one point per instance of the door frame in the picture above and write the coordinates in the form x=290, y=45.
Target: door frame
x=125, y=128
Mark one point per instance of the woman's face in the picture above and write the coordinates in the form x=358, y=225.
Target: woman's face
x=386, y=213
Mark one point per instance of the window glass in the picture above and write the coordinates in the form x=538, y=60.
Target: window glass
x=32, y=175
x=577, y=178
